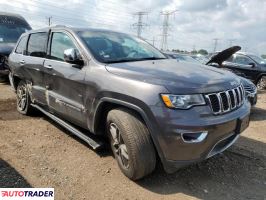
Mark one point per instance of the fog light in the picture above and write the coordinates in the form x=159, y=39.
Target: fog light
x=194, y=137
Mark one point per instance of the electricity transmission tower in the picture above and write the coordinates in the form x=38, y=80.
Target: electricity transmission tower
x=49, y=20
x=215, y=44
x=166, y=16
x=140, y=25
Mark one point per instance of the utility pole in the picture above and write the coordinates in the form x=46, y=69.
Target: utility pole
x=231, y=42
x=140, y=25
x=215, y=44
x=166, y=16
x=49, y=20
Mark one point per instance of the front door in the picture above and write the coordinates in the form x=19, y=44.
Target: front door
x=65, y=81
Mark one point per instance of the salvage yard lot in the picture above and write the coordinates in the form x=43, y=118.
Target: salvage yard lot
x=35, y=152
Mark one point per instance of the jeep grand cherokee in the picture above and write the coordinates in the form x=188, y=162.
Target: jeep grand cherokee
x=99, y=83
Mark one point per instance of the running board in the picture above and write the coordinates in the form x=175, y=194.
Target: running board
x=91, y=141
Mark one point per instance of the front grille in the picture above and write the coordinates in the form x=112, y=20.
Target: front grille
x=226, y=101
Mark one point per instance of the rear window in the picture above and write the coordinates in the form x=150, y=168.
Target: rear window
x=11, y=28
x=37, y=44
x=21, y=48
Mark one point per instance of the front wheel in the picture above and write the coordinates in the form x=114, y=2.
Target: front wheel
x=23, y=99
x=261, y=84
x=131, y=143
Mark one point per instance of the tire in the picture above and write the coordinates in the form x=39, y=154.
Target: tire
x=134, y=143
x=261, y=83
x=23, y=99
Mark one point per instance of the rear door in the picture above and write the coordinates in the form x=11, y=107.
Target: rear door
x=65, y=81
x=33, y=64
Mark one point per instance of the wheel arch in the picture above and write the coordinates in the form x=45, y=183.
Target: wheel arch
x=14, y=81
x=261, y=75
x=106, y=104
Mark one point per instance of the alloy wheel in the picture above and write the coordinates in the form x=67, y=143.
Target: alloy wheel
x=118, y=145
x=22, y=97
x=261, y=85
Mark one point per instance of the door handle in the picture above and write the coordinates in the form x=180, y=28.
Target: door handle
x=22, y=62
x=48, y=66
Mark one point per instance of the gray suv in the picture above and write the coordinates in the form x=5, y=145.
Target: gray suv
x=104, y=84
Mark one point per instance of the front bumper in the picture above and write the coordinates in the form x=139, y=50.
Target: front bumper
x=223, y=131
x=253, y=97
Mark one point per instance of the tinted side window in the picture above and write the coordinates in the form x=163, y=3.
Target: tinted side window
x=242, y=60
x=21, y=48
x=37, y=45
x=60, y=42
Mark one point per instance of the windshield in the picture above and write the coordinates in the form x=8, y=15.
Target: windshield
x=185, y=58
x=257, y=59
x=11, y=28
x=111, y=47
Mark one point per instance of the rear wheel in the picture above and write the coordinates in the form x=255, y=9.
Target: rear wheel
x=261, y=84
x=131, y=143
x=23, y=99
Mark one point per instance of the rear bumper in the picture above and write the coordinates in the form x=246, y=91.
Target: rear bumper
x=222, y=131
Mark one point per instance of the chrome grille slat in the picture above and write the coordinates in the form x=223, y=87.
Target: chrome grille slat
x=229, y=99
x=226, y=101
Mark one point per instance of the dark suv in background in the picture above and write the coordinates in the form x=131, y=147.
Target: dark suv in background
x=99, y=83
x=11, y=28
x=247, y=65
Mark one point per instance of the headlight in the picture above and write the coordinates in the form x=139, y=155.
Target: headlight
x=182, y=101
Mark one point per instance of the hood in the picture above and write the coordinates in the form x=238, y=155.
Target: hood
x=177, y=77
x=223, y=55
x=6, y=48
x=246, y=82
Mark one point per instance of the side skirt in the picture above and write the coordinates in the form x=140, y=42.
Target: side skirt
x=94, y=144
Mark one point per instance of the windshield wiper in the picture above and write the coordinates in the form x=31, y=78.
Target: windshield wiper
x=133, y=60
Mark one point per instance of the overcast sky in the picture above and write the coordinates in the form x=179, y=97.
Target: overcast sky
x=195, y=24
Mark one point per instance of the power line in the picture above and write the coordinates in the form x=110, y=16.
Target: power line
x=49, y=9
x=140, y=25
x=166, y=15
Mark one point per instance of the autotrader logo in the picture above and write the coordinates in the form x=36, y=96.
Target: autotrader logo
x=27, y=193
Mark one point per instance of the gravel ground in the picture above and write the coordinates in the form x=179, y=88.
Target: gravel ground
x=35, y=152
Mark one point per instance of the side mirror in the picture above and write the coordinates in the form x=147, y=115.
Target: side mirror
x=252, y=65
x=72, y=56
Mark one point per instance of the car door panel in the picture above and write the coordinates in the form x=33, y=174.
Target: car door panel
x=65, y=86
x=33, y=65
